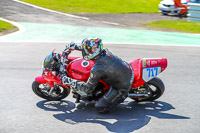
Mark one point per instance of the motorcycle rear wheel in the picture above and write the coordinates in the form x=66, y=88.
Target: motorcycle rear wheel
x=60, y=92
x=156, y=87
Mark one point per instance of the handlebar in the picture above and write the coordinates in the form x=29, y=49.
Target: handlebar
x=65, y=54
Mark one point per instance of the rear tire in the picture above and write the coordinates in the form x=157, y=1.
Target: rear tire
x=157, y=92
x=61, y=94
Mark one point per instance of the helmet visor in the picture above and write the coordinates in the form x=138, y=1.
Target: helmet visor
x=92, y=47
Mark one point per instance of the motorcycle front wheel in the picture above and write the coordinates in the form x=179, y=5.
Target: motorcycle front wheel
x=156, y=88
x=42, y=90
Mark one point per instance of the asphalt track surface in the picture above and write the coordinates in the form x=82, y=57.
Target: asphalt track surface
x=21, y=110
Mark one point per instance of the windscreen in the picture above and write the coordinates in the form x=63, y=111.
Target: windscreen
x=48, y=61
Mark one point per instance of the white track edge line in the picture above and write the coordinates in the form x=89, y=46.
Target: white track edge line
x=69, y=15
x=106, y=22
x=19, y=26
x=45, y=9
x=114, y=43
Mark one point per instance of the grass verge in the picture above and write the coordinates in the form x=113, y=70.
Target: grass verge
x=4, y=26
x=99, y=6
x=117, y=6
x=183, y=26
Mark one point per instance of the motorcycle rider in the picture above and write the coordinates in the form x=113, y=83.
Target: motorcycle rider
x=183, y=8
x=109, y=68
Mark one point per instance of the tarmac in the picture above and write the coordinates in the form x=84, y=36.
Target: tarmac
x=41, y=31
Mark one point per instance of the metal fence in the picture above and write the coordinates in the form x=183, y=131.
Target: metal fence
x=194, y=12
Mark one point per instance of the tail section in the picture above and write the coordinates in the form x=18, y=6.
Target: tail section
x=147, y=68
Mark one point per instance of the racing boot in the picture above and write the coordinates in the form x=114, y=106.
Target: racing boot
x=110, y=99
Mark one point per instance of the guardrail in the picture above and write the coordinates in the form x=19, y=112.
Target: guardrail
x=194, y=12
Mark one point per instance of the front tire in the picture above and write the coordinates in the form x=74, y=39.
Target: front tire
x=42, y=90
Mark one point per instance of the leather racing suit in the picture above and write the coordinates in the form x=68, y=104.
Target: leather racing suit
x=112, y=70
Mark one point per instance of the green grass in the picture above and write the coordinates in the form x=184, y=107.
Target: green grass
x=99, y=6
x=184, y=26
x=5, y=26
x=117, y=6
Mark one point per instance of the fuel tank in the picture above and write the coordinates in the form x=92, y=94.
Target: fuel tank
x=80, y=69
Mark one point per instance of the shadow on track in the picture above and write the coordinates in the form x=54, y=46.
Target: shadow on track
x=125, y=117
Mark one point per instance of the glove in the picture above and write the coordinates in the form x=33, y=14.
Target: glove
x=68, y=81
x=71, y=46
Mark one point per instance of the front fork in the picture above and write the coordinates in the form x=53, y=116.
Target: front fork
x=40, y=79
x=51, y=90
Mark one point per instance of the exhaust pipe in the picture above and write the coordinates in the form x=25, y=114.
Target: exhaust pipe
x=137, y=95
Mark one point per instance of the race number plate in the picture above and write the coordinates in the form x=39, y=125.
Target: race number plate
x=149, y=73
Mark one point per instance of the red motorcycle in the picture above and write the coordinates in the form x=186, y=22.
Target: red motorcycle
x=146, y=86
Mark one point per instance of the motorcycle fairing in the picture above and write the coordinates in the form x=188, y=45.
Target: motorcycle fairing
x=40, y=79
x=147, y=68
